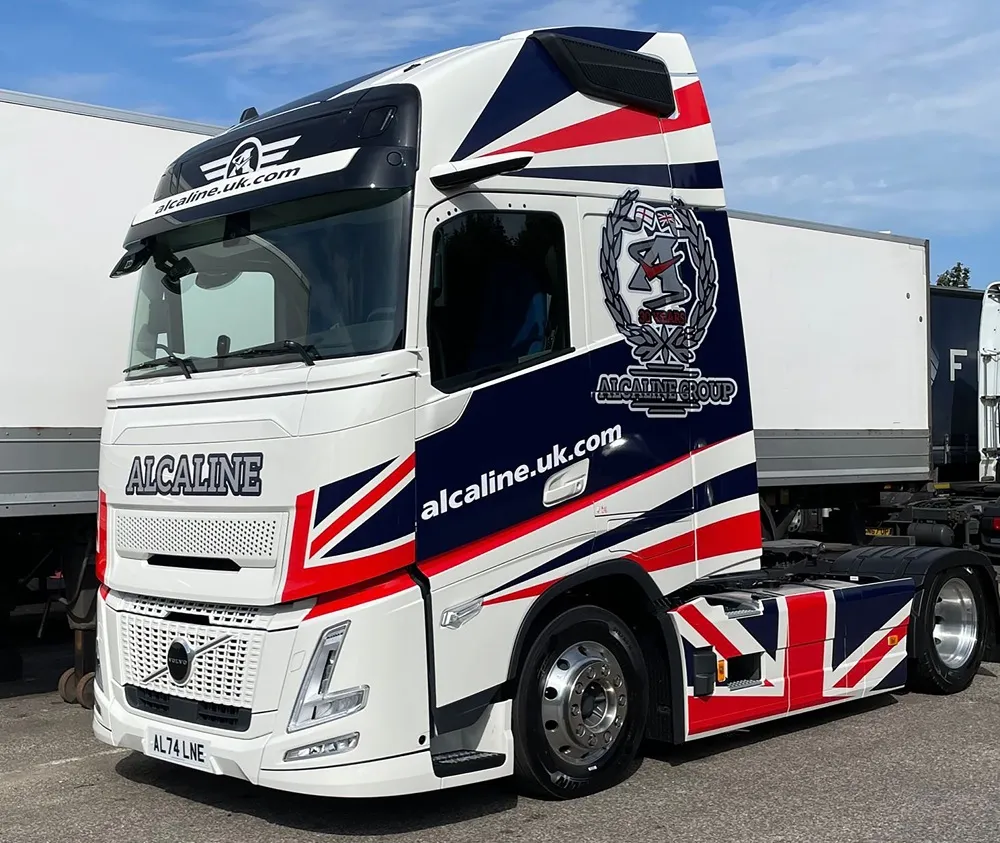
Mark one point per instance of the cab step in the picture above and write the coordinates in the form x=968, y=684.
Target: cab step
x=460, y=761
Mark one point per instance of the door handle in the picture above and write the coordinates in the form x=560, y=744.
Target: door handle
x=566, y=484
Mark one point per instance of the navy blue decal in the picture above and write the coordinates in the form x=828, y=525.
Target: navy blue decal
x=622, y=39
x=393, y=521
x=532, y=84
x=863, y=610
x=729, y=486
x=488, y=453
x=896, y=678
x=764, y=628
x=706, y=175
x=653, y=175
x=333, y=495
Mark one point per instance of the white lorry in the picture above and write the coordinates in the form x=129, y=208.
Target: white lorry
x=448, y=419
x=72, y=177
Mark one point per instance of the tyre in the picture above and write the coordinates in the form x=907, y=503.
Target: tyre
x=579, y=712
x=949, y=633
x=67, y=686
x=85, y=691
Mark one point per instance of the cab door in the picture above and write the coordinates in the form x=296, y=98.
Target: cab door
x=504, y=485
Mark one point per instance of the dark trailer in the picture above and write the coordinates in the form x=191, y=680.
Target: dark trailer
x=954, y=368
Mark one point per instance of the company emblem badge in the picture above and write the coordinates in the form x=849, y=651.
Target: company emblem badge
x=249, y=156
x=663, y=317
x=245, y=160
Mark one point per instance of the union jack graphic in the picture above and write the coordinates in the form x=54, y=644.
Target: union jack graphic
x=818, y=645
x=353, y=530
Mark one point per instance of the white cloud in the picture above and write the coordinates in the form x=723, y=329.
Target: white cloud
x=881, y=113
x=278, y=35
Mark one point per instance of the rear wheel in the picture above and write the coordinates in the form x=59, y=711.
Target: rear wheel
x=949, y=633
x=580, y=707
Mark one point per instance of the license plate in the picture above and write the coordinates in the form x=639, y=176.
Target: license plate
x=186, y=751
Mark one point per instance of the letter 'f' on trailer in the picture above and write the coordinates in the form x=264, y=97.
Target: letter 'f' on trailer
x=435, y=460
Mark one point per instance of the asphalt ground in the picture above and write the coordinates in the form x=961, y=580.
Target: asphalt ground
x=898, y=768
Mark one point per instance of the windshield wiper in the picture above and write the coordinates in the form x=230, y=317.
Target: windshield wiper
x=308, y=353
x=185, y=364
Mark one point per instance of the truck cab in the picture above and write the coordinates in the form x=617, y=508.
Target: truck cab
x=435, y=377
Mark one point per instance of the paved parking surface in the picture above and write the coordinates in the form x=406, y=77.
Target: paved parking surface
x=908, y=768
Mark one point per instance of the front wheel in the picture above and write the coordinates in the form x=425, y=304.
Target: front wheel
x=580, y=708
x=949, y=632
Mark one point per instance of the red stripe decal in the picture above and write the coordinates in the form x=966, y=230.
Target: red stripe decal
x=452, y=558
x=366, y=502
x=363, y=593
x=530, y=591
x=675, y=551
x=740, y=533
x=874, y=656
x=620, y=124
x=333, y=576
x=296, y=580
x=101, y=548
x=731, y=535
x=707, y=630
x=805, y=665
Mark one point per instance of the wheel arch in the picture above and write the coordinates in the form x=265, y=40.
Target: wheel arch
x=625, y=588
x=922, y=564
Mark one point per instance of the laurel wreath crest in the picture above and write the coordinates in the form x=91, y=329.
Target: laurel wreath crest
x=648, y=343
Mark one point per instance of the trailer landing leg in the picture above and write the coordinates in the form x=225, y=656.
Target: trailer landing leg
x=76, y=685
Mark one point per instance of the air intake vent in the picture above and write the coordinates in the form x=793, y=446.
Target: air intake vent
x=608, y=73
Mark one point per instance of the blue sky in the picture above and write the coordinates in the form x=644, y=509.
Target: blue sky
x=881, y=114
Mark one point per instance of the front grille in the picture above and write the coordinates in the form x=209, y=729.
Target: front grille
x=216, y=614
x=225, y=674
x=191, y=711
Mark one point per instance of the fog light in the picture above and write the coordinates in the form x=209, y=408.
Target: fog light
x=337, y=746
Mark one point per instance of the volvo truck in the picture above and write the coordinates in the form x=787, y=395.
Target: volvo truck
x=453, y=393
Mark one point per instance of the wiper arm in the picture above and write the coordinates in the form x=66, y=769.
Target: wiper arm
x=185, y=364
x=308, y=353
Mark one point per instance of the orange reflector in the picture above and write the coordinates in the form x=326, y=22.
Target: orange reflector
x=893, y=640
x=720, y=670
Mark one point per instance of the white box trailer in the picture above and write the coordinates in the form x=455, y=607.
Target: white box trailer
x=72, y=176
x=836, y=324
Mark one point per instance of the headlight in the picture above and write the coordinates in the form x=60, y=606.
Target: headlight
x=316, y=703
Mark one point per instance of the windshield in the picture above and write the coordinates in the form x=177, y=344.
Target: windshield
x=327, y=273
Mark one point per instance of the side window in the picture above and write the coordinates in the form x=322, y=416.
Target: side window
x=498, y=299
x=241, y=308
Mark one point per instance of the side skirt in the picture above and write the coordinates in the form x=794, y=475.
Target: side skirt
x=751, y=657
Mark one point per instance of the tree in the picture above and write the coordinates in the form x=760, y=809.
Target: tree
x=957, y=276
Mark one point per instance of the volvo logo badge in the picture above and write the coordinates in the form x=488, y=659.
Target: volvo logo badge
x=180, y=658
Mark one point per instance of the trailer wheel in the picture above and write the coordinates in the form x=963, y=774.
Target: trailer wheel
x=579, y=711
x=85, y=691
x=67, y=685
x=949, y=632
